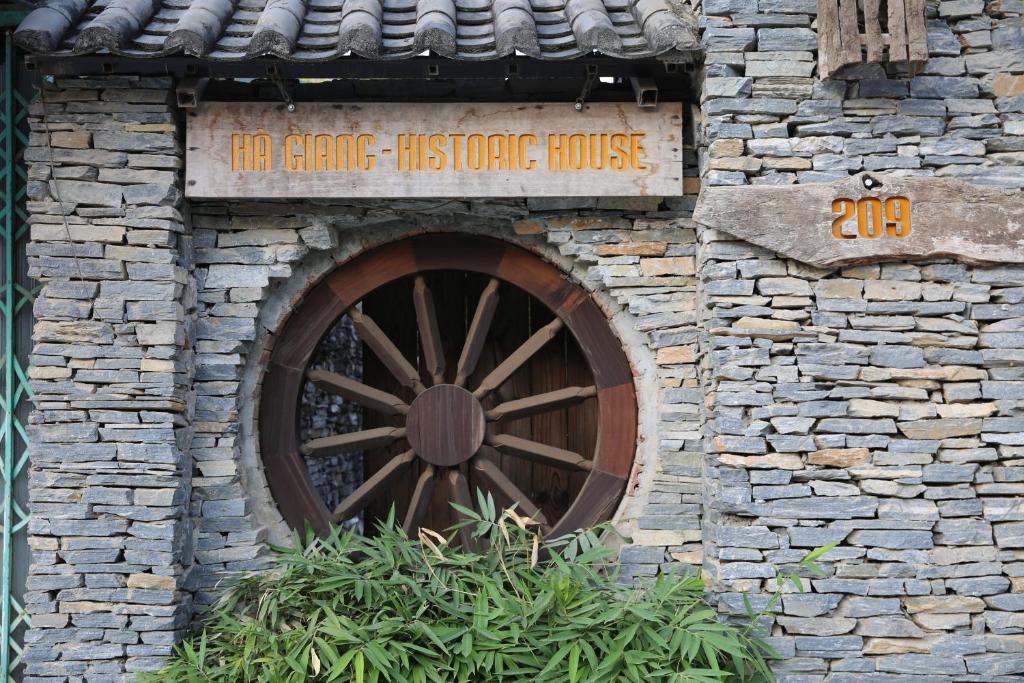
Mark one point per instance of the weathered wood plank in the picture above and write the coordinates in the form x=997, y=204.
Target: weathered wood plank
x=917, y=33
x=897, y=31
x=259, y=150
x=539, y=452
x=516, y=360
x=873, y=31
x=477, y=333
x=830, y=51
x=947, y=218
x=430, y=335
x=850, y=31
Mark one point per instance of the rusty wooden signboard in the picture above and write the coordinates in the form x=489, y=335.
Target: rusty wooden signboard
x=322, y=150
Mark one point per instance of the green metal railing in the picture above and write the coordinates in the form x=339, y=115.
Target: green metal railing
x=16, y=297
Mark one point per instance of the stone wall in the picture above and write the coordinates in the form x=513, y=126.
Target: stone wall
x=636, y=256
x=112, y=371
x=147, y=488
x=769, y=120
x=876, y=406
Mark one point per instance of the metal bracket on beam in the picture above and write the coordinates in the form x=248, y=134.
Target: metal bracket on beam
x=588, y=85
x=646, y=91
x=275, y=76
x=190, y=92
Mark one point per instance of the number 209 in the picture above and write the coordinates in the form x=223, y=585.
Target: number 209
x=874, y=216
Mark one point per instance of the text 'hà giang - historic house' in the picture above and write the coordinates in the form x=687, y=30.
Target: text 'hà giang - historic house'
x=744, y=277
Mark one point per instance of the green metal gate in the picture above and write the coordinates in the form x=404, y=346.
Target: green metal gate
x=16, y=295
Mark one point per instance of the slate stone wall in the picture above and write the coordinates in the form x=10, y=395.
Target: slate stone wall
x=152, y=324
x=769, y=120
x=874, y=406
x=781, y=407
x=635, y=256
x=112, y=372
x=878, y=407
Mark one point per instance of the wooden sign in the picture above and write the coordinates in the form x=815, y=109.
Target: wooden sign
x=260, y=150
x=899, y=218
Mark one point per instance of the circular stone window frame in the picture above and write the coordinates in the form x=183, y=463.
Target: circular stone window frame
x=300, y=334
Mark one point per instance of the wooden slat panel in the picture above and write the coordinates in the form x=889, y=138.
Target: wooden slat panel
x=830, y=53
x=873, y=31
x=897, y=31
x=850, y=31
x=547, y=372
x=917, y=32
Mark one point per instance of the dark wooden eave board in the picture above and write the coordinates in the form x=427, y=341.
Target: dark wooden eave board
x=430, y=68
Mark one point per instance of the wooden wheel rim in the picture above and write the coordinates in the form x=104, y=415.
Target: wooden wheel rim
x=299, y=335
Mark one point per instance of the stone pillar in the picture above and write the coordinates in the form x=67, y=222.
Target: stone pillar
x=111, y=372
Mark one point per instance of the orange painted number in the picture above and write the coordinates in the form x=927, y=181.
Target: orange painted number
x=875, y=217
x=897, y=216
x=845, y=208
x=869, y=217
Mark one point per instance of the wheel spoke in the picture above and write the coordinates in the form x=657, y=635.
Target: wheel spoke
x=353, y=441
x=497, y=479
x=500, y=374
x=539, y=452
x=373, y=487
x=385, y=349
x=531, y=405
x=363, y=394
x=460, y=494
x=477, y=333
x=420, y=500
x=430, y=335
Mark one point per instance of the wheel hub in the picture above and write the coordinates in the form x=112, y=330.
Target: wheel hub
x=445, y=425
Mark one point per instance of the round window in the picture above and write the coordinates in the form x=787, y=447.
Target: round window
x=483, y=368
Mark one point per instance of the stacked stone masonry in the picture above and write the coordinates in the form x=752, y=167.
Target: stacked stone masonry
x=112, y=373
x=770, y=120
x=877, y=407
x=781, y=406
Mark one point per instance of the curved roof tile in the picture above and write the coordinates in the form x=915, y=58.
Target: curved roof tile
x=321, y=30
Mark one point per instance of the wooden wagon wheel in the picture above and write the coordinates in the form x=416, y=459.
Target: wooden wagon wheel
x=446, y=423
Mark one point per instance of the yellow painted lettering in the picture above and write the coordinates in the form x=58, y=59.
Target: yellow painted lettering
x=293, y=156
x=636, y=151
x=323, y=147
x=456, y=140
x=525, y=141
x=366, y=161
x=476, y=152
x=439, y=158
x=620, y=151
x=262, y=151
